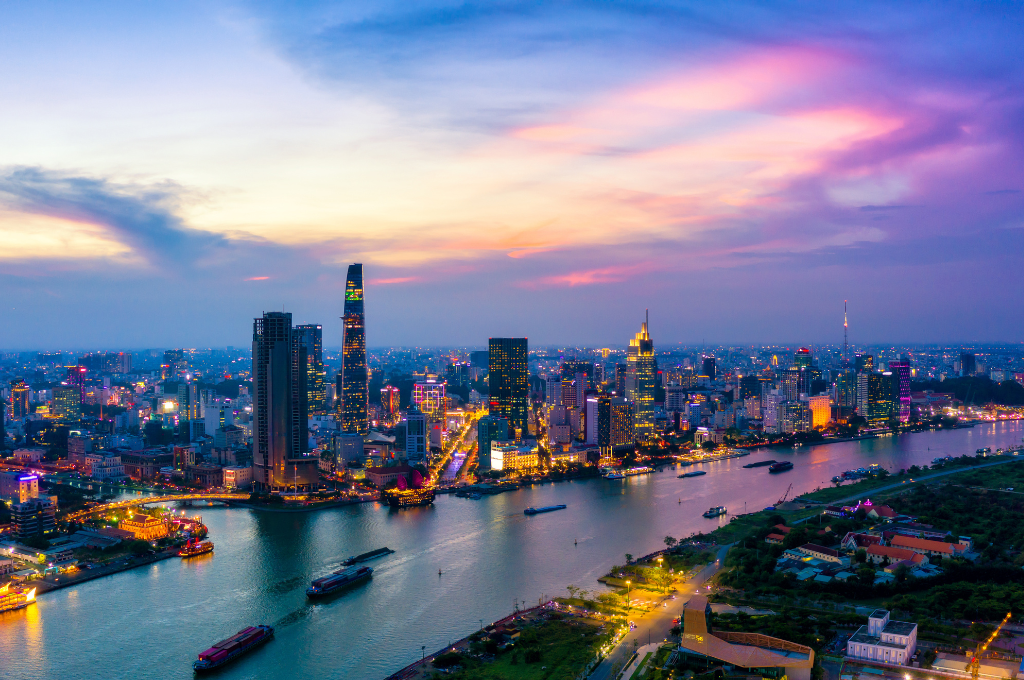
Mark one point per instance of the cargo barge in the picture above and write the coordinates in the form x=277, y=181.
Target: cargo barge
x=760, y=463
x=696, y=473
x=546, y=508
x=781, y=467
x=242, y=642
x=367, y=556
x=340, y=579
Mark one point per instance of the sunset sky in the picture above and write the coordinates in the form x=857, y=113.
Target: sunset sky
x=170, y=170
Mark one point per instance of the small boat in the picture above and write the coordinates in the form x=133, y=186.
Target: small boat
x=760, y=463
x=338, y=580
x=194, y=547
x=366, y=556
x=614, y=475
x=716, y=511
x=546, y=508
x=240, y=643
x=780, y=467
x=696, y=473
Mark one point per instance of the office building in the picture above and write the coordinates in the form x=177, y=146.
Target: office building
x=793, y=416
x=34, y=517
x=429, y=397
x=640, y=382
x=803, y=358
x=20, y=394
x=694, y=414
x=573, y=367
x=821, y=409
x=615, y=423
x=390, y=400
x=621, y=370
x=511, y=457
x=591, y=419
x=901, y=374
x=863, y=363
x=846, y=389
x=509, y=383
x=76, y=378
x=312, y=337
x=791, y=384
x=416, y=445
x=188, y=412
x=489, y=429
x=968, y=364
x=354, y=378
x=709, y=367
x=174, y=361
x=67, y=403
x=881, y=400
x=17, y=486
x=280, y=418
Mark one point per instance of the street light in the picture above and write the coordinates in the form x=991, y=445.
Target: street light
x=627, y=597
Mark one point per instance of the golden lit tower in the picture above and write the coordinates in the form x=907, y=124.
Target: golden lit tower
x=640, y=382
x=354, y=383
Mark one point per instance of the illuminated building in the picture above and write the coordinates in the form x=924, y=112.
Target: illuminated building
x=390, y=399
x=640, y=382
x=901, y=375
x=76, y=378
x=694, y=414
x=34, y=517
x=880, y=406
x=846, y=389
x=791, y=384
x=489, y=429
x=174, y=361
x=279, y=419
x=620, y=378
x=803, y=358
x=863, y=363
x=510, y=456
x=821, y=410
x=188, y=412
x=67, y=403
x=355, y=389
x=573, y=367
x=145, y=527
x=429, y=397
x=18, y=487
x=615, y=423
x=19, y=398
x=311, y=335
x=416, y=447
x=509, y=382
x=793, y=416
x=709, y=367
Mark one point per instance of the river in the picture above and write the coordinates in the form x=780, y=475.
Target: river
x=149, y=623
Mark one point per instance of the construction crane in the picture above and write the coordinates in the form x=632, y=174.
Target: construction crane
x=785, y=496
x=974, y=665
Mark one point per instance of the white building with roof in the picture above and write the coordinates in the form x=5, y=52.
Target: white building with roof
x=892, y=642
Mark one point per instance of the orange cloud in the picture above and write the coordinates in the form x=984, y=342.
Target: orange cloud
x=385, y=282
x=257, y=278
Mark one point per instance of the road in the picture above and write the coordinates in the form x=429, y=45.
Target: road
x=923, y=478
x=655, y=625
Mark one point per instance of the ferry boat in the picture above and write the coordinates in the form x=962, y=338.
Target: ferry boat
x=242, y=642
x=194, y=547
x=15, y=597
x=695, y=473
x=629, y=472
x=760, y=463
x=546, y=508
x=781, y=467
x=338, y=580
x=367, y=556
x=716, y=511
x=408, y=498
x=614, y=475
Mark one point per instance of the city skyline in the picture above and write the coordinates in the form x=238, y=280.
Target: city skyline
x=739, y=179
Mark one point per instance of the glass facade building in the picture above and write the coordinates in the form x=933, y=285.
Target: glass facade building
x=354, y=378
x=509, y=382
x=640, y=382
x=312, y=337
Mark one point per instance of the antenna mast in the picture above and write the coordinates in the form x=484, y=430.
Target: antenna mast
x=846, y=343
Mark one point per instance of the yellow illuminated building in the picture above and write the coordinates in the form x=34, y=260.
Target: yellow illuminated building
x=145, y=528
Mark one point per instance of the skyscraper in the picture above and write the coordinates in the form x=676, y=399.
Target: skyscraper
x=76, y=378
x=490, y=429
x=640, y=382
x=19, y=398
x=279, y=422
x=355, y=387
x=67, y=403
x=390, y=398
x=709, y=367
x=311, y=336
x=509, y=382
x=968, y=364
x=188, y=411
x=901, y=374
x=416, y=447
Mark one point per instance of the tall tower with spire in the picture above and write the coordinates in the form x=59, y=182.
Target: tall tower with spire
x=640, y=372
x=354, y=379
x=846, y=339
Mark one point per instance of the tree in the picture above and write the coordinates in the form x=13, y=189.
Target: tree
x=861, y=555
x=671, y=542
x=629, y=558
x=709, y=445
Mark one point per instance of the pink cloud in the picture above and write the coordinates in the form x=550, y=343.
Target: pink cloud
x=257, y=278
x=387, y=282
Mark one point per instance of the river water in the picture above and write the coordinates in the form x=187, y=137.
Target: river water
x=149, y=623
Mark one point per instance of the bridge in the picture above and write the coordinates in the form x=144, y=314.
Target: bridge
x=148, y=500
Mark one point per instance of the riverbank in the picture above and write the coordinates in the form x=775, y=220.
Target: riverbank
x=267, y=507
x=48, y=584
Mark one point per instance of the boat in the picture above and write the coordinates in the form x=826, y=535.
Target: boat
x=614, y=475
x=334, y=582
x=695, y=473
x=242, y=642
x=546, y=508
x=760, y=463
x=15, y=597
x=194, y=547
x=637, y=471
x=781, y=467
x=408, y=498
x=716, y=511
x=367, y=556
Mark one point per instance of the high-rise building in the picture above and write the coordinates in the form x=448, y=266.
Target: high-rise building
x=640, y=382
x=312, y=336
x=355, y=385
x=709, y=367
x=573, y=367
x=489, y=429
x=509, y=382
x=390, y=399
x=846, y=389
x=429, y=397
x=881, y=398
x=901, y=374
x=174, y=361
x=76, y=378
x=621, y=370
x=863, y=363
x=968, y=364
x=67, y=403
x=791, y=383
x=188, y=411
x=693, y=415
x=416, y=445
x=615, y=423
x=280, y=415
x=20, y=393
